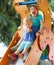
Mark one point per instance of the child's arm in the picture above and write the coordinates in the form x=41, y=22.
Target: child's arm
x=41, y=26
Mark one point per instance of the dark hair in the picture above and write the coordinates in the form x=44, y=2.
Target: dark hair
x=33, y=5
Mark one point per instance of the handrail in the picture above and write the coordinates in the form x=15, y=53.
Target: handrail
x=25, y=3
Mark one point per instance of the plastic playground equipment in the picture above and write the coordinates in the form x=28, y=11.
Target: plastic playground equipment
x=35, y=52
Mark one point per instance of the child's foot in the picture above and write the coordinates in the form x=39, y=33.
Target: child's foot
x=13, y=56
x=21, y=55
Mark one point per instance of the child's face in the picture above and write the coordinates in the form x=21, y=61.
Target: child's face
x=28, y=24
x=33, y=11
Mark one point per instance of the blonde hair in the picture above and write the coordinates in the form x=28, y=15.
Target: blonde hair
x=27, y=19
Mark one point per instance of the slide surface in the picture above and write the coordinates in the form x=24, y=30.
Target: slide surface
x=35, y=53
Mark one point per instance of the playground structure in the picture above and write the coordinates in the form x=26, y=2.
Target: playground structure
x=47, y=38
x=35, y=53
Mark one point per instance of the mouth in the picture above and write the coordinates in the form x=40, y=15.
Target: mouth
x=33, y=12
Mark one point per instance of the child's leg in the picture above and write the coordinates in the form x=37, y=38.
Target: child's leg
x=17, y=52
x=24, y=52
x=26, y=47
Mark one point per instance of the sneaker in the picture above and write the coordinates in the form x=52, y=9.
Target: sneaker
x=13, y=56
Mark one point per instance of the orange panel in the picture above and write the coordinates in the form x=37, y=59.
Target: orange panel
x=22, y=9
x=44, y=6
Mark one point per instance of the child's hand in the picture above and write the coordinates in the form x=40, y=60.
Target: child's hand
x=38, y=33
x=29, y=30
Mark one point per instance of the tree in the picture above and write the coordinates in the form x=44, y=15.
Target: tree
x=9, y=21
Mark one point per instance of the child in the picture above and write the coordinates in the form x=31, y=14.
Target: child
x=27, y=40
x=37, y=19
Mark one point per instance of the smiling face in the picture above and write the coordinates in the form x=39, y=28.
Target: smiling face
x=33, y=11
x=27, y=23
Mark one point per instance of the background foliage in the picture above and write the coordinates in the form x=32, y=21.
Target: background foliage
x=9, y=21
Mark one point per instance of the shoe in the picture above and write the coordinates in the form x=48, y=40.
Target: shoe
x=21, y=55
x=13, y=56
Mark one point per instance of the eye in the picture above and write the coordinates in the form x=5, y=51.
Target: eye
x=26, y=24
